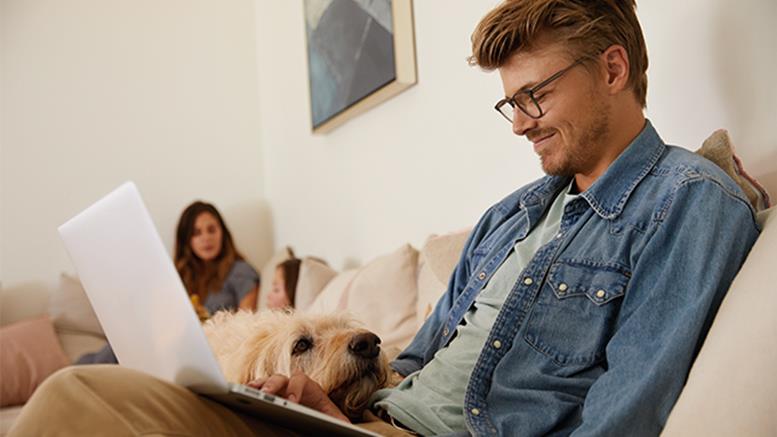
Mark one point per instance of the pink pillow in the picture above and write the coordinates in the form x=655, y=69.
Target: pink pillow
x=30, y=353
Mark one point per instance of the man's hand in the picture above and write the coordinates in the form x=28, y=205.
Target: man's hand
x=300, y=389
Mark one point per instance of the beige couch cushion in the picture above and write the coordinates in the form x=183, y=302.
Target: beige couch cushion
x=437, y=260
x=314, y=274
x=383, y=296
x=76, y=344
x=268, y=272
x=70, y=309
x=732, y=386
x=335, y=295
x=7, y=417
x=23, y=300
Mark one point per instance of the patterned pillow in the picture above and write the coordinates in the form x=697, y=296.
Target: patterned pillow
x=718, y=149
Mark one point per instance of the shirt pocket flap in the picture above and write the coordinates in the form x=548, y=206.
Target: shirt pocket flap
x=599, y=283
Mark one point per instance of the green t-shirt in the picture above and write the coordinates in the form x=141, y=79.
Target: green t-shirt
x=431, y=400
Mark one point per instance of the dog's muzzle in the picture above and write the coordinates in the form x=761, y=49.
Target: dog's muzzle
x=365, y=345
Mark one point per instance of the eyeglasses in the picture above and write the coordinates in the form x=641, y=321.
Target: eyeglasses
x=526, y=100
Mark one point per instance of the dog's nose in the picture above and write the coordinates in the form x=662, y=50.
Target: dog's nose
x=365, y=345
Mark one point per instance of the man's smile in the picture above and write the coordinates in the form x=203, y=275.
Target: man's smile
x=540, y=140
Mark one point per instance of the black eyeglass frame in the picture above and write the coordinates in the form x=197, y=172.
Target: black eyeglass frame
x=530, y=92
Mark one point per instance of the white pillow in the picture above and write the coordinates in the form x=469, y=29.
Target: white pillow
x=70, y=309
x=438, y=260
x=383, y=296
x=334, y=296
x=313, y=277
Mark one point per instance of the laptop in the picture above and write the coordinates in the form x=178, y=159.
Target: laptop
x=148, y=319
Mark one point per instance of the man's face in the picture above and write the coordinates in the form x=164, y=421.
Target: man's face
x=570, y=138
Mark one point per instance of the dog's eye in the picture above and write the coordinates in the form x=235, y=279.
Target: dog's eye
x=302, y=345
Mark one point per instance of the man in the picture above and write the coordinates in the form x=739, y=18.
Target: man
x=581, y=299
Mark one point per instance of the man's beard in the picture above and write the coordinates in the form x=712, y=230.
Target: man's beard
x=581, y=154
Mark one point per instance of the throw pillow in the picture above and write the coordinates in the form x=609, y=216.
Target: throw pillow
x=314, y=274
x=30, y=353
x=335, y=295
x=383, y=296
x=70, y=309
x=439, y=257
x=718, y=149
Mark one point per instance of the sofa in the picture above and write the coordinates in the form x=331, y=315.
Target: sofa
x=729, y=391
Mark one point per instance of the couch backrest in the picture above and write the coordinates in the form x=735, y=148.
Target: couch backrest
x=22, y=301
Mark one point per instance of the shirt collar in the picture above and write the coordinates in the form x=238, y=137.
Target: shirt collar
x=609, y=193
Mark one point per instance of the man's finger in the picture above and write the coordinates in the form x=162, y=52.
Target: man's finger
x=275, y=384
x=296, y=386
x=257, y=383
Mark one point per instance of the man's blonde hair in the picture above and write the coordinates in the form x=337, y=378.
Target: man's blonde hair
x=587, y=27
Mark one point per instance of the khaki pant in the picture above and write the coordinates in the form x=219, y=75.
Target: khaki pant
x=108, y=400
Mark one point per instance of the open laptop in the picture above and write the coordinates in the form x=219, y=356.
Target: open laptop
x=146, y=314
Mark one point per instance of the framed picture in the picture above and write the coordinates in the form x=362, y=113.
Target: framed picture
x=360, y=53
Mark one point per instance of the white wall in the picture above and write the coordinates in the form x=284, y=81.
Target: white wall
x=428, y=160
x=434, y=157
x=713, y=65
x=96, y=92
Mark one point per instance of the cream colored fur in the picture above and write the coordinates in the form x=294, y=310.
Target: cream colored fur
x=254, y=345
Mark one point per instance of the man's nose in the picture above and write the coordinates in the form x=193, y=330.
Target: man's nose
x=522, y=123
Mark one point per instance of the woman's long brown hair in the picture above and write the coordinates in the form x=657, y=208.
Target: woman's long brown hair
x=200, y=277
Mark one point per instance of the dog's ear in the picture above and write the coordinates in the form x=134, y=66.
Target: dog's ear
x=255, y=351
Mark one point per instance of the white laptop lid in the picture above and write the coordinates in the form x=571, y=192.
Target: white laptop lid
x=137, y=294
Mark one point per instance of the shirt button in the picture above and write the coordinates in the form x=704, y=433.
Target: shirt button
x=497, y=344
x=445, y=331
x=528, y=281
x=482, y=276
x=559, y=235
x=475, y=412
x=600, y=294
x=562, y=287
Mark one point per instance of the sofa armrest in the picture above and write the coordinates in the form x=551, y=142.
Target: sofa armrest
x=732, y=387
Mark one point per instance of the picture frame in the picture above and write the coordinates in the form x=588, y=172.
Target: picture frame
x=360, y=53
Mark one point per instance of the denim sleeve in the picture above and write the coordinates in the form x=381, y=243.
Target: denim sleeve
x=417, y=353
x=701, y=236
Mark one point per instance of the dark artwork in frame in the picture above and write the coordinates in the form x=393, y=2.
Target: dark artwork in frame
x=355, y=57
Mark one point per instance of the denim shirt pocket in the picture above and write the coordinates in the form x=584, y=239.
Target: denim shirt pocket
x=574, y=315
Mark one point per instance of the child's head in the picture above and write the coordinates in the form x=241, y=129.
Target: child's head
x=284, y=284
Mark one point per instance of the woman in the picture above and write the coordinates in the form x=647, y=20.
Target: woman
x=284, y=285
x=210, y=265
x=215, y=274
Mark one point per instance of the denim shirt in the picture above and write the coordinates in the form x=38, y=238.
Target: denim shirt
x=598, y=334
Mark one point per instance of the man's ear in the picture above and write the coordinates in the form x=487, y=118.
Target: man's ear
x=616, y=67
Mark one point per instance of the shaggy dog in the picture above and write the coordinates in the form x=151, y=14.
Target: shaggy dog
x=345, y=360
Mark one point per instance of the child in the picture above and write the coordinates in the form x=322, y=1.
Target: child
x=284, y=285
